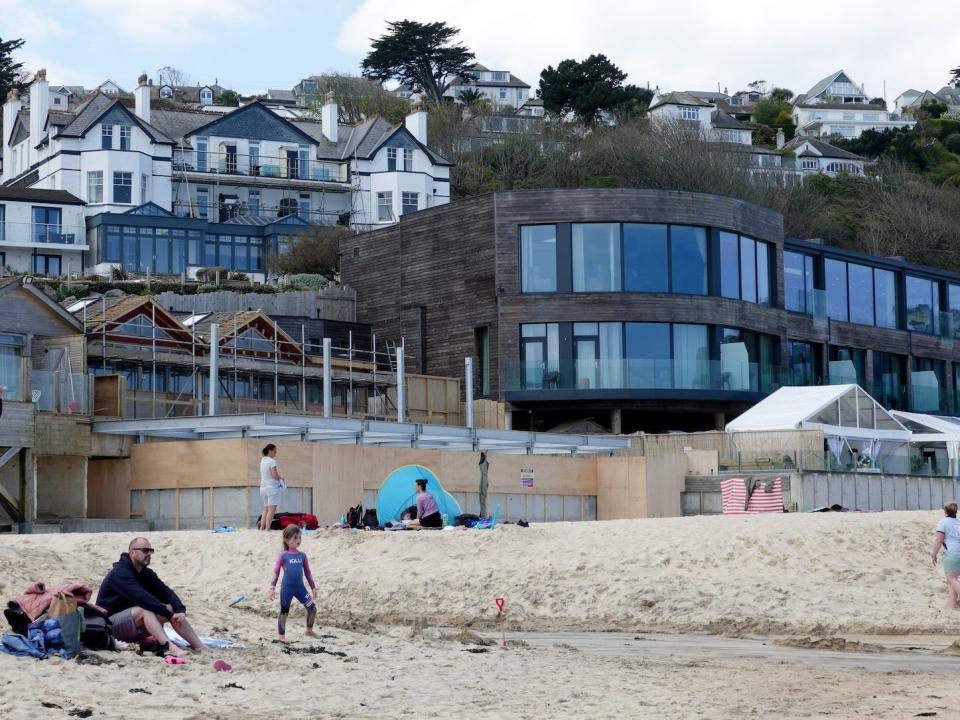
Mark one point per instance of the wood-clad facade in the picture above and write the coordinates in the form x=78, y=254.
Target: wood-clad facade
x=449, y=280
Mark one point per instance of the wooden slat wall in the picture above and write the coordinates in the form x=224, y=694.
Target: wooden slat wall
x=16, y=425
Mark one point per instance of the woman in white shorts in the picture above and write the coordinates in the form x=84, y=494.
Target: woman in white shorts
x=271, y=486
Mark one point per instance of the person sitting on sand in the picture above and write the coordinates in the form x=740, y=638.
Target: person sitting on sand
x=948, y=538
x=295, y=567
x=139, y=603
x=428, y=512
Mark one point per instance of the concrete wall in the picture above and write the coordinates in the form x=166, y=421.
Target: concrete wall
x=868, y=491
x=62, y=486
x=222, y=477
x=334, y=303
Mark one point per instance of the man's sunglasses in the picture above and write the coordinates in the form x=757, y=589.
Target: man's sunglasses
x=148, y=551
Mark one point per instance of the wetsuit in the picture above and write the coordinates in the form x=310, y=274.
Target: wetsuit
x=295, y=567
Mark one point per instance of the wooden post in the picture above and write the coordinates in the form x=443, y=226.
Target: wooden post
x=212, y=512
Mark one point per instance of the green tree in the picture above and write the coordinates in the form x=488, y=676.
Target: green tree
x=767, y=110
x=229, y=98
x=588, y=88
x=316, y=252
x=358, y=98
x=782, y=94
x=473, y=98
x=12, y=75
x=421, y=55
x=934, y=108
x=955, y=77
x=878, y=101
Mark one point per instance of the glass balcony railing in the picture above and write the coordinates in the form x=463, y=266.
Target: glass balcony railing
x=712, y=375
x=26, y=234
x=292, y=166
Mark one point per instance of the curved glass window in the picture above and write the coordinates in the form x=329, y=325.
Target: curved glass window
x=645, y=267
x=797, y=281
x=596, y=257
x=688, y=260
x=923, y=305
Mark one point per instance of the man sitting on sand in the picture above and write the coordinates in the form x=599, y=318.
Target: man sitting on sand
x=139, y=603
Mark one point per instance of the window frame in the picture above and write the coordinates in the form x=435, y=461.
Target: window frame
x=385, y=203
x=118, y=176
x=106, y=137
x=126, y=136
x=689, y=112
x=93, y=175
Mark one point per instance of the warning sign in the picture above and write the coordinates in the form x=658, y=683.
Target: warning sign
x=526, y=477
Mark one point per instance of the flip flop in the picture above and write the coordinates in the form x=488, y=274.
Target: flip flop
x=174, y=660
x=222, y=666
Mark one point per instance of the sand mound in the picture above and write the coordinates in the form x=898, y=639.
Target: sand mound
x=952, y=649
x=830, y=643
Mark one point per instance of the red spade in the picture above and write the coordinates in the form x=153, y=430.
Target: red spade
x=503, y=633
x=500, y=602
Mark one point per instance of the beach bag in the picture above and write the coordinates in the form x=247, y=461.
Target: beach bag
x=97, y=632
x=63, y=603
x=370, y=519
x=71, y=625
x=355, y=516
x=301, y=520
x=16, y=617
x=466, y=520
x=274, y=524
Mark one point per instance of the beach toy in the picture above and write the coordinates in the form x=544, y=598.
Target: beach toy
x=397, y=494
x=503, y=633
x=222, y=666
x=174, y=660
x=239, y=599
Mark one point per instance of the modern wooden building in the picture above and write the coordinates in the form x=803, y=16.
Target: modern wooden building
x=648, y=309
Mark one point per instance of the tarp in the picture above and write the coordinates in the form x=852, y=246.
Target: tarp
x=397, y=493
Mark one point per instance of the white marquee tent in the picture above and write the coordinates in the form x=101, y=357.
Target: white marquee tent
x=932, y=430
x=846, y=414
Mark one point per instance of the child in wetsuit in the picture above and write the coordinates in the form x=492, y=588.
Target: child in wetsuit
x=295, y=568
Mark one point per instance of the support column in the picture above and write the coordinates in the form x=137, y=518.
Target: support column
x=28, y=490
x=616, y=421
x=719, y=421
x=508, y=419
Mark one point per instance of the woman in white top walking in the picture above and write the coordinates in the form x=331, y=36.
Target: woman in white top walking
x=948, y=538
x=271, y=486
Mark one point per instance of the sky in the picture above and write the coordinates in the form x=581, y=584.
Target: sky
x=693, y=45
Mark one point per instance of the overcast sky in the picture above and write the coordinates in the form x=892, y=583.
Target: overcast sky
x=693, y=45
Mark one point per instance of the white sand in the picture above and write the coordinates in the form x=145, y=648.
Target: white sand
x=821, y=575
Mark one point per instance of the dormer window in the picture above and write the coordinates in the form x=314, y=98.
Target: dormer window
x=166, y=92
x=689, y=113
x=206, y=96
x=499, y=76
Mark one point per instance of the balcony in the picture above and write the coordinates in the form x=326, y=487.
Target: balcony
x=243, y=168
x=45, y=236
x=640, y=378
x=49, y=391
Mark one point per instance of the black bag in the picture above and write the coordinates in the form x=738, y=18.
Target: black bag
x=355, y=516
x=274, y=524
x=97, y=632
x=16, y=617
x=466, y=519
x=370, y=519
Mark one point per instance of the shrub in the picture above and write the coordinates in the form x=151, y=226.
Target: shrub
x=207, y=288
x=239, y=276
x=306, y=281
x=952, y=143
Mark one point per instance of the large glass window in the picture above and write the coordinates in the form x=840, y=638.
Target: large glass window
x=729, y=265
x=748, y=269
x=647, y=352
x=847, y=366
x=691, y=356
x=889, y=380
x=953, y=301
x=926, y=384
x=860, y=285
x=130, y=249
x=688, y=260
x=596, y=257
x=797, y=281
x=885, y=298
x=540, y=356
x=835, y=274
x=146, y=249
x=803, y=363
x=161, y=250
x=746, y=360
x=645, y=258
x=122, y=187
x=202, y=159
x=538, y=258
x=923, y=305
x=111, y=247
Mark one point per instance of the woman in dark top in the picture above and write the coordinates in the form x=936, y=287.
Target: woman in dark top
x=428, y=512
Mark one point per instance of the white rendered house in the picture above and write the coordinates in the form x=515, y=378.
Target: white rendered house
x=41, y=231
x=817, y=156
x=838, y=106
x=701, y=116
x=500, y=87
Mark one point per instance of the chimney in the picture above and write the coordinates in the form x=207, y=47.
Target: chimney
x=39, y=106
x=10, y=110
x=781, y=138
x=328, y=117
x=141, y=99
x=417, y=125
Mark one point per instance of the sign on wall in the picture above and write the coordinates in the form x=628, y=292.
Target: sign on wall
x=526, y=477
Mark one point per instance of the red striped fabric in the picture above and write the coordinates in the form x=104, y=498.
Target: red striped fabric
x=733, y=492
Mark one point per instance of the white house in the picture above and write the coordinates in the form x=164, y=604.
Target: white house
x=41, y=231
x=700, y=115
x=838, y=106
x=501, y=87
x=817, y=156
x=910, y=100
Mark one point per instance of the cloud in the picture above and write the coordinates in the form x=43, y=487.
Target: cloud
x=23, y=20
x=178, y=22
x=697, y=44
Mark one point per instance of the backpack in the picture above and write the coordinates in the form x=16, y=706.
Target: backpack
x=355, y=516
x=370, y=519
x=97, y=632
x=16, y=617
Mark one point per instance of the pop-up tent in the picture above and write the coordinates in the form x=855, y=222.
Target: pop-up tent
x=846, y=414
x=933, y=432
x=397, y=493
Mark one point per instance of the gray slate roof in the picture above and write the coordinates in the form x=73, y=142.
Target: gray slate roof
x=821, y=86
x=679, y=98
x=824, y=149
x=720, y=119
x=98, y=105
x=61, y=197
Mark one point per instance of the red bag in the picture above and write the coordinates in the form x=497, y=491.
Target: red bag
x=304, y=520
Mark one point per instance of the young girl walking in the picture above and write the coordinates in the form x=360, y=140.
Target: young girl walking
x=295, y=567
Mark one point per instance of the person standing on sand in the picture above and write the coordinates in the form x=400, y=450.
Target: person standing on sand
x=428, y=512
x=948, y=538
x=295, y=567
x=271, y=486
x=139, y=603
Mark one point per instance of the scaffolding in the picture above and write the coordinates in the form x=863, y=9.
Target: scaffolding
x=165, y=363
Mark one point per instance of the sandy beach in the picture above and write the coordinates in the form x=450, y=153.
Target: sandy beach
x=402, y=615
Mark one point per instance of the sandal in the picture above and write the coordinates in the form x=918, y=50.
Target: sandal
x=174, y=660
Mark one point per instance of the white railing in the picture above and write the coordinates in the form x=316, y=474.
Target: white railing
x=29, y=234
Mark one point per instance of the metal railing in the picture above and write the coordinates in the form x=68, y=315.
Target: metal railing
x=224, y=212
x=237, y=164
x=24, y=233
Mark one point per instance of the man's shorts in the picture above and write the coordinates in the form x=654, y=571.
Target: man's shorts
x=125, y=627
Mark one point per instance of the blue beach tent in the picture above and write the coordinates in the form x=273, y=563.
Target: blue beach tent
x=397, y=493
